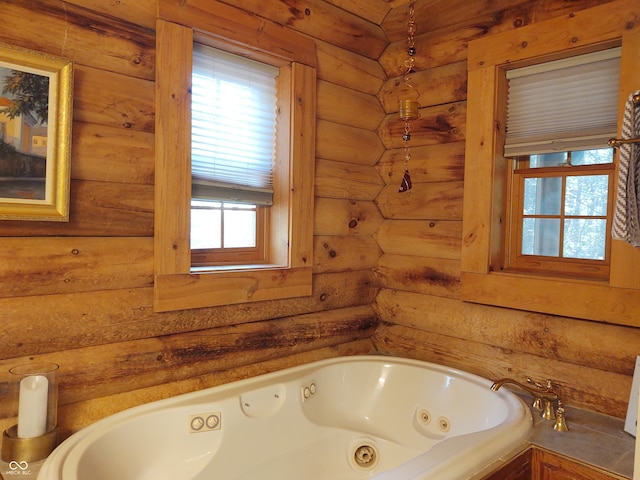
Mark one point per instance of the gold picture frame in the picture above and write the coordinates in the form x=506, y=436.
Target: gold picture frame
x=36, y=91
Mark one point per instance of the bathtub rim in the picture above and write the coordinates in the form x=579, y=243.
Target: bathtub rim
x=52, y=467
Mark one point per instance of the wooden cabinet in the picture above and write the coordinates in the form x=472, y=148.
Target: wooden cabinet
x=550, y=466
x=519, y=468
x=538, y=464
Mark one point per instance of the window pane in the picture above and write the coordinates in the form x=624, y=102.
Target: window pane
x=592, y=157
x=542, y=196
x=206, y=227
x=548, y=160
x=541, y=236
x=584, y=238
x=587, y=195
x=239, y=228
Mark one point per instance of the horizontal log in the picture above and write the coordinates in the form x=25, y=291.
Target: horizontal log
x=54, y=323
x=430, y=163
x=333, y=253
x=113, y=100
x=346, y=180
x=101, y=370
x=87, y=38
x=565, y=339
x=94, y=156
x=437, y=239
x=49, y=266
x=578, y=385
x=234, y=27
x=434, y=86
x=439, y=124
x=345, y=217
x=137, y=12
x=320, y=19
x=432, y=276
x=343, y=143
x=75, y=416
x=435, y=201
x=97, y=209
x=349, y=69
x=348, y=107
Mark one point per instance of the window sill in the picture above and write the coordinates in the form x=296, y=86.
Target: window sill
x=180, y=291
x=239, y=268
x=588, y=299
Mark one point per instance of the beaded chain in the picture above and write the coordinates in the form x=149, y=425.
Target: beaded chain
x=408, y=109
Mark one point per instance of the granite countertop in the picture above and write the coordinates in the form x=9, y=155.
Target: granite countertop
x=593, y=438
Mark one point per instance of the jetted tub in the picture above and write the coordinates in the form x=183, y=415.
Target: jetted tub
x=361, y=417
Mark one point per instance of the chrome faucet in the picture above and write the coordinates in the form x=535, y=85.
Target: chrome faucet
x=544, y=396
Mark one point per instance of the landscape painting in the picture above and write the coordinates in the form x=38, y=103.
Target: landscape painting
x=35, y=126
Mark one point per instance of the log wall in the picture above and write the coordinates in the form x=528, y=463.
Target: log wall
x=81, y=293
x=419, y=306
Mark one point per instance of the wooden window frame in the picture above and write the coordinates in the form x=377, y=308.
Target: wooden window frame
x=210, y=257
x=289, y=272
x=483, y=278
x=541, y=264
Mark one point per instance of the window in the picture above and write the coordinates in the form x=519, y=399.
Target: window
x=560, y=213
x=288, y=227
x=559, y=201
x=501, y=272
x=233, y=134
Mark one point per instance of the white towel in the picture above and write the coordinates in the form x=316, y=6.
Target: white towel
x=626, y=222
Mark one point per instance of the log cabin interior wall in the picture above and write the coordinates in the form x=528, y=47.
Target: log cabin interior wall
x=386, y=266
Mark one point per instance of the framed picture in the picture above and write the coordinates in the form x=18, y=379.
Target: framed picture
x=35, y=135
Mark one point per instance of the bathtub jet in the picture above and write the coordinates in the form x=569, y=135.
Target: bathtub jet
x=360, y=417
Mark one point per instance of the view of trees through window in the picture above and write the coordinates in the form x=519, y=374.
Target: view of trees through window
x=565, y=203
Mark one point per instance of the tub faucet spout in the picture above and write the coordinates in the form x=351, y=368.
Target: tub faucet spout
x=544, y=394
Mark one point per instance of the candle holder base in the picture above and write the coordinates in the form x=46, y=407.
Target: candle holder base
x=27, y=449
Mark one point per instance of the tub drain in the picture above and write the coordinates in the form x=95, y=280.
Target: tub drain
x=365, y=456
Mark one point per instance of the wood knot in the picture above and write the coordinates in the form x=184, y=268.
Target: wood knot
x=353, y=223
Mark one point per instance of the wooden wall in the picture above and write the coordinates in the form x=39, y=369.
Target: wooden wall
x=421, y=234
x=81, y=293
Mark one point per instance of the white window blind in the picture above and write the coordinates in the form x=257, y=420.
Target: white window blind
x=568, y=104
x=233, y=127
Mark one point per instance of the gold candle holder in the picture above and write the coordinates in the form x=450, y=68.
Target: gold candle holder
x=27, y=449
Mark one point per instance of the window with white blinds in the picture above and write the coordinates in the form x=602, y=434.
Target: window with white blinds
x=233, y=127
x=563, y=105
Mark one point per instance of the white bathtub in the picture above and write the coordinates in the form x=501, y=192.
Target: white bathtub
x=362, y=417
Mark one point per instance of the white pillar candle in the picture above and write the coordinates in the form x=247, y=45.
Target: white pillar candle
x=32, y=406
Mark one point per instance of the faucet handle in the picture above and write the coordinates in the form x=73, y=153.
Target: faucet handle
x=548, y=387
x=560, y=424
x=535, y=384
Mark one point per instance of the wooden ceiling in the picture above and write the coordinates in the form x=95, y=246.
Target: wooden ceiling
x=373, y=10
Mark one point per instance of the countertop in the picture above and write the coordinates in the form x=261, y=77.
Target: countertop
x=593, y=438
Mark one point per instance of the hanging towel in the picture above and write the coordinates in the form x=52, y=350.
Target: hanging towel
x=626, y=220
